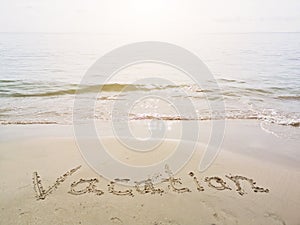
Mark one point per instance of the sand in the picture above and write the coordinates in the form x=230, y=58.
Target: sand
x=45, y=180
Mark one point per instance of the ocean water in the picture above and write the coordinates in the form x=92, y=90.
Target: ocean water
x=258, y=73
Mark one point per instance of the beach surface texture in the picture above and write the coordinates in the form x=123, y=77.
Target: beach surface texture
x=45, y=180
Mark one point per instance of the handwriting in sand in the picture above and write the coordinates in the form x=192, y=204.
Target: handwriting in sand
x=147, y=186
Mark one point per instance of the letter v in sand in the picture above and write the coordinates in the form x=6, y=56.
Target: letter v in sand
x=41, y=194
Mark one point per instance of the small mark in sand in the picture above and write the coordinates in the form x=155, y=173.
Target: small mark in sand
x=116, y=219
x=166, y=222
x=23, y=213
x=56, y=209
x=122, y=180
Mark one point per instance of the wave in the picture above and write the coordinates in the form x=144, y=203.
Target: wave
x=230, y=81
x=258, y=90
x=235, y=97
x=26, y=122
x=280, y=120
x=7, y=81
x=289, y=97
x=22, y=89
x=33, y=90
x=283, y=120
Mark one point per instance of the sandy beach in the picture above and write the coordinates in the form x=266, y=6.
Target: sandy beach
x=45, y=180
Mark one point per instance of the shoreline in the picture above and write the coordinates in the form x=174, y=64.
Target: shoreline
x=241, y=132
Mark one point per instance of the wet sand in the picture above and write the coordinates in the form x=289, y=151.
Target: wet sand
x=45, y=180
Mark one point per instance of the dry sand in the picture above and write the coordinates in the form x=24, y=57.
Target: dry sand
x=44, y=153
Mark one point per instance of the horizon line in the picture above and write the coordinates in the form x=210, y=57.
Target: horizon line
x=110, y=33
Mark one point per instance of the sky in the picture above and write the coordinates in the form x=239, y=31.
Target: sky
x=150, y=16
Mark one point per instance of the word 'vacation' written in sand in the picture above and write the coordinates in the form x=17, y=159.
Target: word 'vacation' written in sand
x=173, y=184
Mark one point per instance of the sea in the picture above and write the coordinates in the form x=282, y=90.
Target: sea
x=258, y=75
